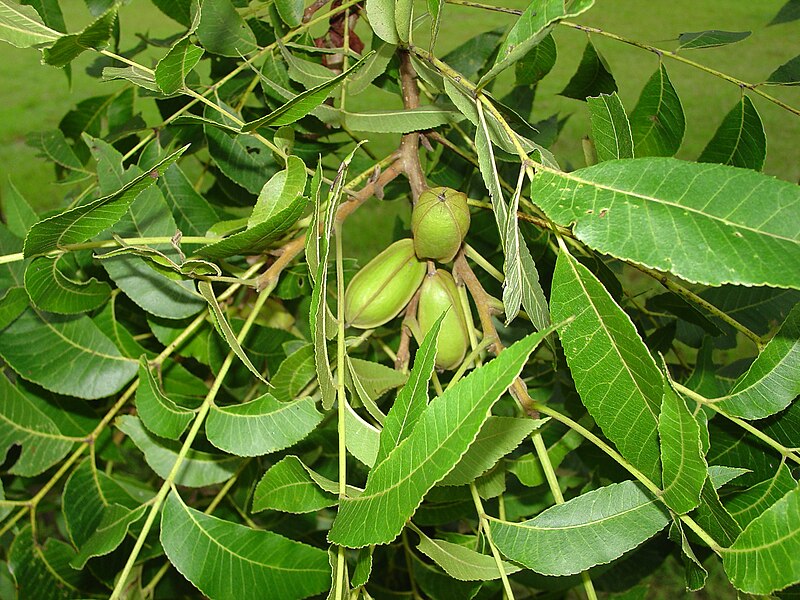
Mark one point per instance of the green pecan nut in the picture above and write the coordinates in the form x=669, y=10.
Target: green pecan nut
x=439, y=222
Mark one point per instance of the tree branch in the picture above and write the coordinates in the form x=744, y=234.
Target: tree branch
x=409, y=145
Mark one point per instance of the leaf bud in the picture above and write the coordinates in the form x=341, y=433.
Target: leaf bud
x=439, y=222
x=383, y=287
x=439, y=294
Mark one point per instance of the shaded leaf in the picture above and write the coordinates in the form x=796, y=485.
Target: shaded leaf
x=261, y=426
x=69, y=47
x=78, y=351
x=498, y=437
x=441, y=436
x=23, y=424
x=592, y=78
x=305, y=102
x=52, y=290
x=657, y=121
x=789, y=12
x=192, y=213
x=683, y=464
x=592, y=529
x=198, y=469
x=712, y=516
x=537, y=63
x=614, y=373
x=750, y=503
x=223, y=31
x=253, y=560
x=294, y=374
x=787, y=74
x=460, y=562
x=710, y=39
x=740, y=140
x=110, y=533
x=291, y=11
x=157, y=412
x=766, y=556
x=745, y=235
x=611, y=131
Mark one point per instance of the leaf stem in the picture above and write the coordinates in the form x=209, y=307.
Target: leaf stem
x=772, y=443
x=623, y=462
x=689, y=295
x=341, y=400
x=487, y=532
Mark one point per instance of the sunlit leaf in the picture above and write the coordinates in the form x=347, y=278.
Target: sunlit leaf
x=157, y=412
x=611, y=131
x=766, y=556
x=172, y=70
x=400, y=121
x=622, y=208
x=223, y=31
x=710, y=39
x=592, y=529
x=23, y=27
x=239, y=562
x=460, y=562
x=52, y=290
x=93, y=37
x=442, y=434
x=261, y=426
x=657, y=120
x=290, y=486
x=748, y=504
x=614, y=373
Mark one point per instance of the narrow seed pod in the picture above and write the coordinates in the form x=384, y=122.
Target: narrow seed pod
x=439, y=293
x=383, y=287
x=439, y=222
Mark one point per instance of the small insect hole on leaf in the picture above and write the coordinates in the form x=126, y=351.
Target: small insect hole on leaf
x=153, y=174
x=603, y=212
x=590, y=211
x=737, y=234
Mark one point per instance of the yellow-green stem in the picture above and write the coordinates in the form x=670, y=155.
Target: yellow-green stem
x=487, y=532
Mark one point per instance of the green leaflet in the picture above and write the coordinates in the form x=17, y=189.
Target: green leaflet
x=657, y=121
x=109, y=534
x=592, y=529
x=592, y=78
x=22, y=423
x=261, y=426
x=710, y=39
x=157, y=412
x=280, y=191
x=750, y=503
x=290, y=486
x=223, y=31
x=740, y=140
x=380, y=14
x=460, y=562
x=23, y=27
x=787, y=74
x=51, y=289
x=253, y=560
x=745, y=236
x=441, y=436
x=78, y=351
x=766, y=556
x=614, y=373
x=412, y=399
x=198, y=469
x=684, y=466
x=305, y=102
x=498, y=437
x=773, y=380
x=94, y=36
x=611, y=131
x=83, y=222
x=172, y=70
x=400, y=121
x=529, y=30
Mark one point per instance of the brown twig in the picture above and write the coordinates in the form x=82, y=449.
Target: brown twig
x=403, y=355
x=409, y=145
x=464, y=272
x=309, y=13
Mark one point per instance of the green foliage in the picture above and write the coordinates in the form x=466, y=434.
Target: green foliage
x=181, y=387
